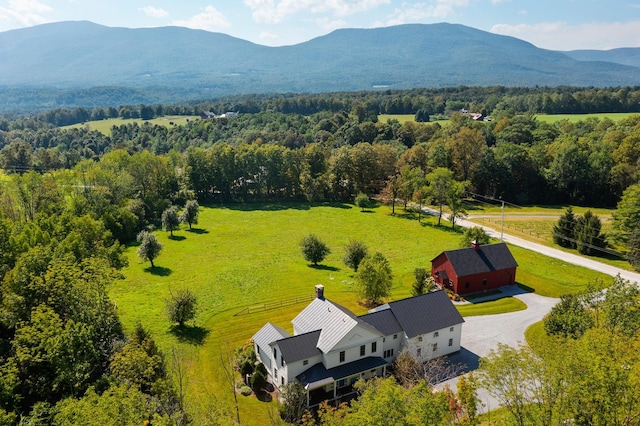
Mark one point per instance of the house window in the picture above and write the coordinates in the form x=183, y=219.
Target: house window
x=466, y=285
x=450, y=342
x=435, y=347
x=436, y=334
x=484, y=281
x=374, y=347
x=419, y=338
x=419, y=353
x=305, y=362
x=341, y=356
x=275, y=353
x=275, y=373
x=362, y=350
x=281, y=361
x=341, y=383
x=388, y=353
x=282, y=381
x=384, y=339
x=451, y=329
x=395, y=336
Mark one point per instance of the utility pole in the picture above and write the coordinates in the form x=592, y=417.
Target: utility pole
x=502, y=230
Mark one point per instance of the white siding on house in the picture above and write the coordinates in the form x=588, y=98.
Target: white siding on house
x=295, y=368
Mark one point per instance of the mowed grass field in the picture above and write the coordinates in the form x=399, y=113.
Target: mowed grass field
x=536, y=223
x=548, y=118
x=104, y=126
x=241, y=256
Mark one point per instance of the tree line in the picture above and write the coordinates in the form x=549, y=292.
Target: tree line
x=432, y=101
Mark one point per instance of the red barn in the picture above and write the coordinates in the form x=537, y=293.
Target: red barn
x=475, y=269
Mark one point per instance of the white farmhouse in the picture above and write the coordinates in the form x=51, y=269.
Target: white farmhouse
x=332, y=348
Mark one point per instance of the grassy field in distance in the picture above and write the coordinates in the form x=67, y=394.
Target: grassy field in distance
x=104, y=126
x=247, y=255
x=549, y=118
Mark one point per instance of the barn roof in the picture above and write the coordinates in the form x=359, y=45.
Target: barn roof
x=485, y=258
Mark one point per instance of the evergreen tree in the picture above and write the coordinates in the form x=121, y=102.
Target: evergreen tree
x=587, y=233
x=563, y=230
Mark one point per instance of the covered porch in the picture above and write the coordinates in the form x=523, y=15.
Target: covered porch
x=336, y=383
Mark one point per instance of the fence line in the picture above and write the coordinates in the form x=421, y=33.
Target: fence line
x=274, y=305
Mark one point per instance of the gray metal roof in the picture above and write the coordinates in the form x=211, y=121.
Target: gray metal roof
x=486, y=258
x=302, y=346
x=384, y=321
x=319, y=373
x=334, y=321
x=425, y=313
x=268, y=334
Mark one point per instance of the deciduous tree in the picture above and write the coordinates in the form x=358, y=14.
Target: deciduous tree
x=149, y=248
x=313, y=249
x=190, y=213
x=374, y=278
x=181, y=307
x=170, y=220
x=354, y=252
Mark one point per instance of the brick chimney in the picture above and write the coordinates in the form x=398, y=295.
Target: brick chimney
x=475, y=244
x=320, y=291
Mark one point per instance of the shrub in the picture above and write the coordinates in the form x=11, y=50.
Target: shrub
x=245, y=390
x=258, y=381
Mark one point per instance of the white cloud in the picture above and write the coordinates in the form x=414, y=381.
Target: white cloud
x=266, y=35
x=418, y=12
x=562, y=36
x=500, y=1
x=24, y=13
x=331, y=24
x=275, y=11
x=154, y=12
x=210, y=19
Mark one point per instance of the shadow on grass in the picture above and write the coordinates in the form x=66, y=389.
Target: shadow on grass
x=525, y=288
x=198, y=231
x=193, y=335
x=324, y=268
x=160, y=271
x=177, y=237
x=264, y=396
x=277, y=206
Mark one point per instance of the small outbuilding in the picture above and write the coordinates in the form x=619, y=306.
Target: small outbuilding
x=475, y=269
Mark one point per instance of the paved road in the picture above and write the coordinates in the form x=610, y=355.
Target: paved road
x=480, y=334
x=550, y=251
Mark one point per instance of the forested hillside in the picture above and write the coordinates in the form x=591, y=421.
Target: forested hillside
x=71, y=64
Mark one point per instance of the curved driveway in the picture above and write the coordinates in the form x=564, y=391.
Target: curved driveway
x=480, y=334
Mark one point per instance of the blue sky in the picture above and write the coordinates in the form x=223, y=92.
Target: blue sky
x=550, y=24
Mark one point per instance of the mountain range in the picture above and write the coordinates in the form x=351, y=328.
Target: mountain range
x=180, y=63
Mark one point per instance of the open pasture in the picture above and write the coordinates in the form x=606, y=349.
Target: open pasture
x=242, y=256
x=104, y=126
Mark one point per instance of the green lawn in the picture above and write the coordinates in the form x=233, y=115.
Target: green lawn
x=104, y=126
x=499, y=306
x=240, y=256
x=574, y=118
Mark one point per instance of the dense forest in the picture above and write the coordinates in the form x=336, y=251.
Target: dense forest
x=74, y=196
x=435, y=102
